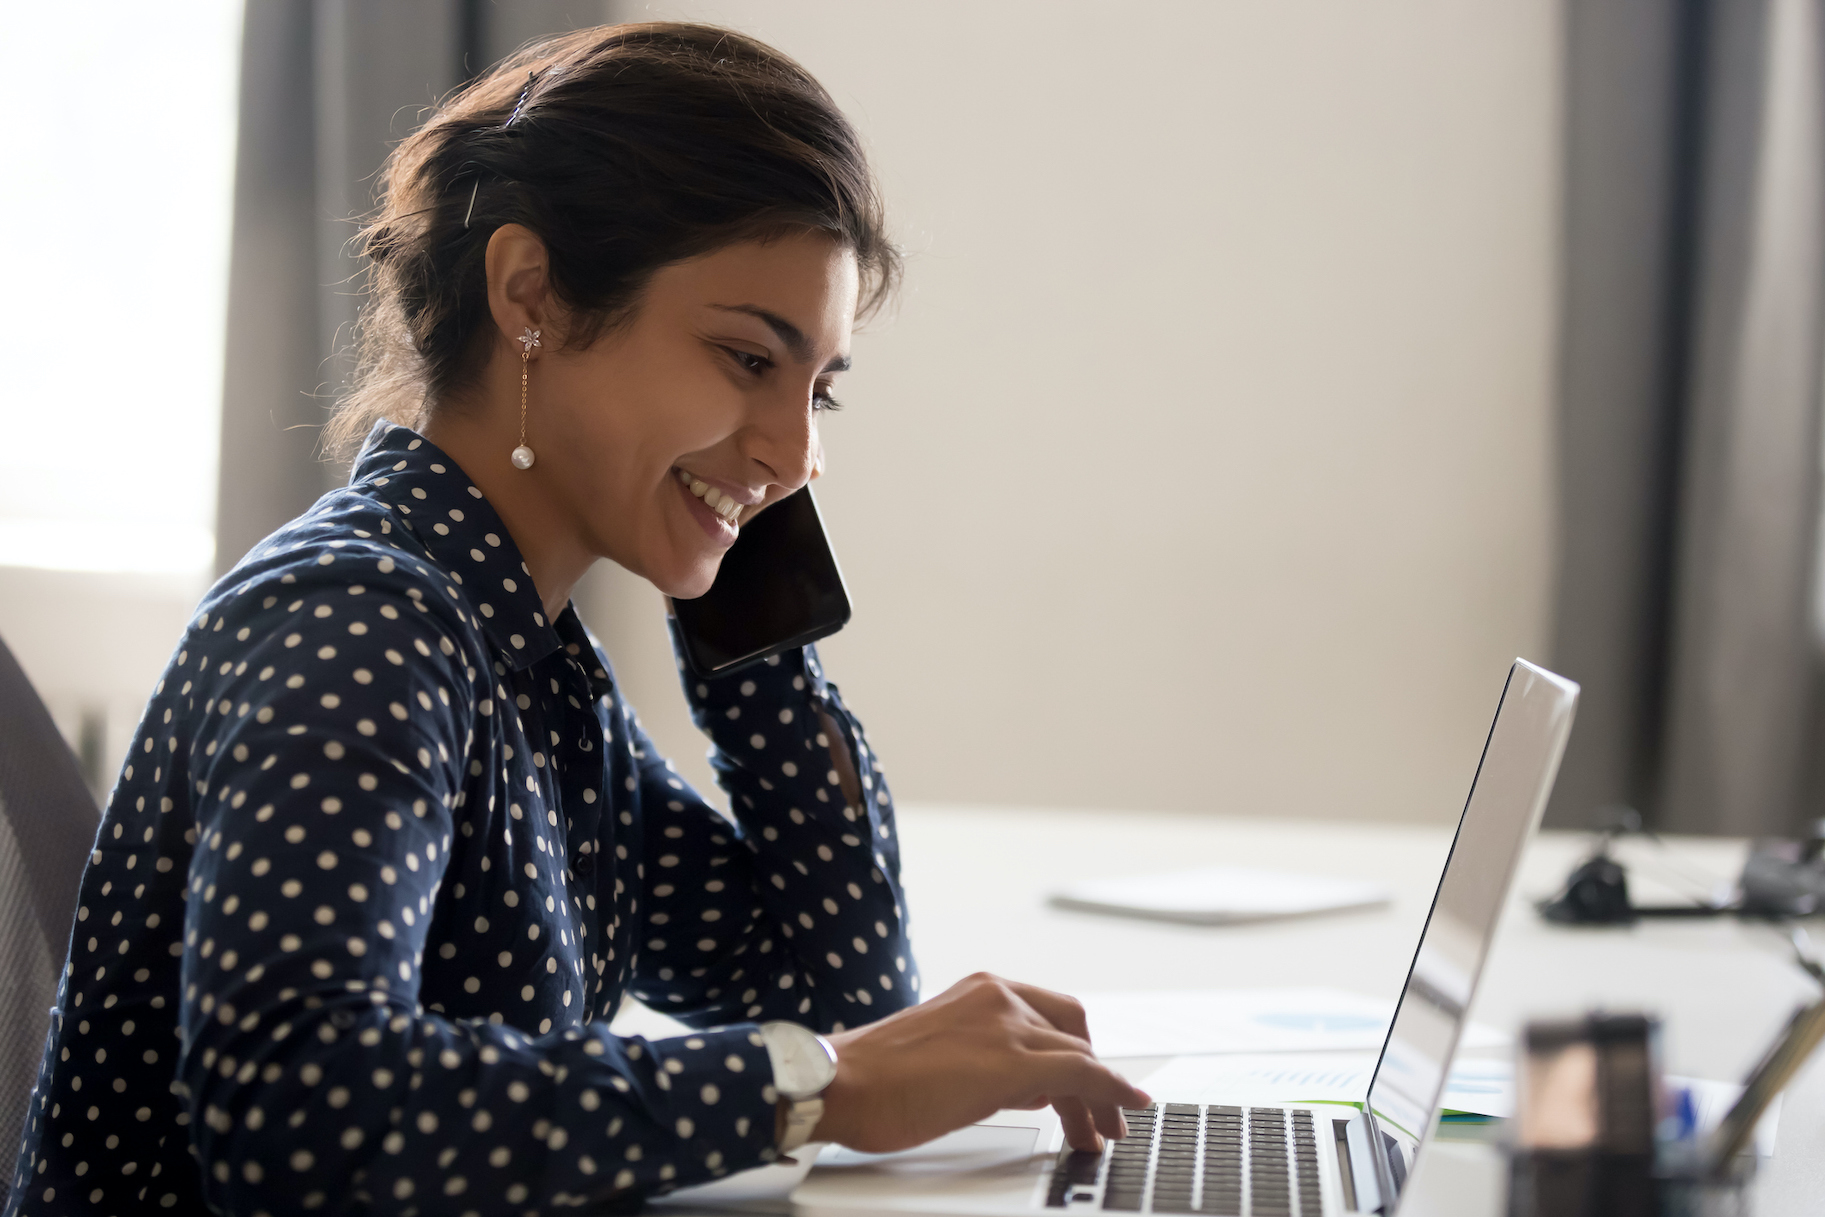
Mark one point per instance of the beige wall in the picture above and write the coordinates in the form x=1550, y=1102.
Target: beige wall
x=1206, y=463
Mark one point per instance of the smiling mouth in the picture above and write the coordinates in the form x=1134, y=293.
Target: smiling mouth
x=723, y=505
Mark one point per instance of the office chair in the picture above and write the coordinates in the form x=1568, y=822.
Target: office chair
x=48, y=821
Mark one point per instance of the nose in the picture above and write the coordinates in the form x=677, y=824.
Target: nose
x=782, y=438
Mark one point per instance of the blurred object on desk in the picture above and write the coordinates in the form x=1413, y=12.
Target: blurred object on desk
x=1786, y=878
x=1601, y=1132
x=1779, y=878
x=1221, y=895
x=1597, y=890
x=1588, y=1109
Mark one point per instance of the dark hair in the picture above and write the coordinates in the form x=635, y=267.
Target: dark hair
x=624, y=148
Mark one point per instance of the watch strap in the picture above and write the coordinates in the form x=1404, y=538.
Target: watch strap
x=801, y=1121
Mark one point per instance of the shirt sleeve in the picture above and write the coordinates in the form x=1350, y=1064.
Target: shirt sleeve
x=794, y=911
x=328, y=765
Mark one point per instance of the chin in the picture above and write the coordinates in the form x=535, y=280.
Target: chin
x=690, y=582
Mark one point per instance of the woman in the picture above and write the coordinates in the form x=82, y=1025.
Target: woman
x=389, y=847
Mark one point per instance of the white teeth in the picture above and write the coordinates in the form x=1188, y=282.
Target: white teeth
x=722, y=504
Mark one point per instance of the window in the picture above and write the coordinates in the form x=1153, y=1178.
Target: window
x=119, y=147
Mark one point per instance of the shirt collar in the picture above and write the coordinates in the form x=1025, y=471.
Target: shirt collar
x=583, y=653
x=460, y=530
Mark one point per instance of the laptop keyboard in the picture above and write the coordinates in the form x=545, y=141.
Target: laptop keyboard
x=1188, y=1158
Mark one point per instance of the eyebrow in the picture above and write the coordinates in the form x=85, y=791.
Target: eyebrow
x=790, y=335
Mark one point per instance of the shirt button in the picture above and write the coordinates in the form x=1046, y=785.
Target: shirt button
x=583, y=864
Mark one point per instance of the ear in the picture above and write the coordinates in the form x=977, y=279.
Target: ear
x=519, y=285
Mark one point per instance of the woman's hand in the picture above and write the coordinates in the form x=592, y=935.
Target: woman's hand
x=983, y=1045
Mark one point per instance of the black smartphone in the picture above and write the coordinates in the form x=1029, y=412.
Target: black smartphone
x=779, y=587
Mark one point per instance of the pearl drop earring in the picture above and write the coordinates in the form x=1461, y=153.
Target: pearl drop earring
x=529, y=338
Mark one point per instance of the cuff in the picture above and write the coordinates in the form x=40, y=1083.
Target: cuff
x=789, y=678
x=722, y=1100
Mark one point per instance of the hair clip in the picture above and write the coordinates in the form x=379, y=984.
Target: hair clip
x=472, y=190
x=532, y=78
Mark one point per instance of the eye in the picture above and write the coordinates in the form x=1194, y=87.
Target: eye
x=748, y=361
x=821, y=400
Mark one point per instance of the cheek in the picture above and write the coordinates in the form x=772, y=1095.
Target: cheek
x=656, y=417
x=699, y=410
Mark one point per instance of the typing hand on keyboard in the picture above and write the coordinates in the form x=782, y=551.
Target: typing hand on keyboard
x=982, y=1045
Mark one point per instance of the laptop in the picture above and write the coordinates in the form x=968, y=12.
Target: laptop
x=1249, y=1160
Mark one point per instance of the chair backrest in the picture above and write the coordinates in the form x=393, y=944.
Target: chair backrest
x=48, y=821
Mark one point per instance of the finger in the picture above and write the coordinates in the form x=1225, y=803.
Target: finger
x=1084, y=1077
x=1109, y=1120
x=1080, y=1129
x=1065, y=1013
x=1063, y=1068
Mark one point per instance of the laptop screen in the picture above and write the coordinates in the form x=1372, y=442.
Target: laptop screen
x=1520, y=760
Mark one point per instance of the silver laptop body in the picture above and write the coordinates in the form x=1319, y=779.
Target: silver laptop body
x=1275, y=1161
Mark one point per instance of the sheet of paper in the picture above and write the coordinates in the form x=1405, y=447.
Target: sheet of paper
x=1220, y=895
x=1189, y=1022
x=1474, y=1087
x=1283, y=1077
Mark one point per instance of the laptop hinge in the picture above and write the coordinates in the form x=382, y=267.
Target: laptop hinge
x=1340, y=1132
x=1369, y=1174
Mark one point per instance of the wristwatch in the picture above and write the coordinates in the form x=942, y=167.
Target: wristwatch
x=804, y=1065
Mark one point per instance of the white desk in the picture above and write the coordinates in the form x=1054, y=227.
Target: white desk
x=977, y=879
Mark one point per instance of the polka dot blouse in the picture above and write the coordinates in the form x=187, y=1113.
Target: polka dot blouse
x=387, y=853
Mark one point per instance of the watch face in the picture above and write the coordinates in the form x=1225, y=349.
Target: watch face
x=801, y=1066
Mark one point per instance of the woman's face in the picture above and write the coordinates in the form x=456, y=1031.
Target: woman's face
x=710, y=392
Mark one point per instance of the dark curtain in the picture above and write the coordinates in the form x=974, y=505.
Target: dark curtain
x=327, y=87
x=1689, y=444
